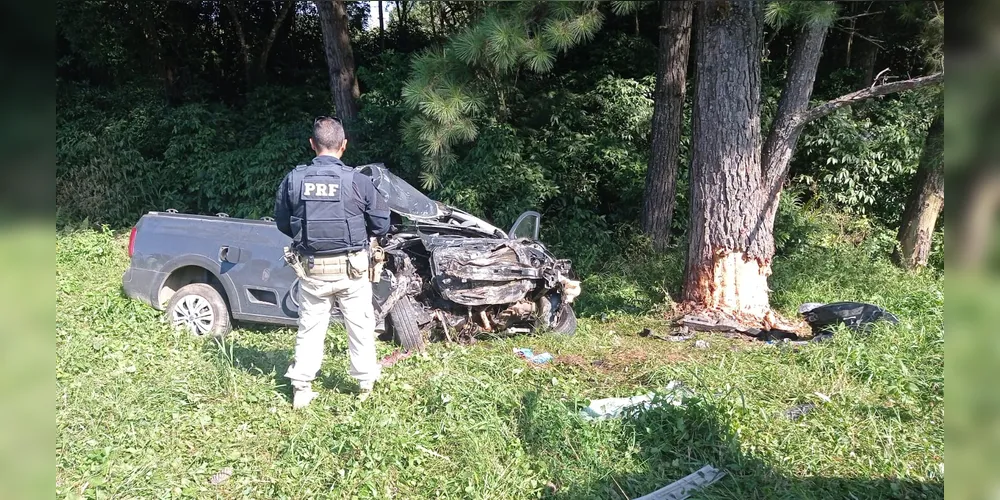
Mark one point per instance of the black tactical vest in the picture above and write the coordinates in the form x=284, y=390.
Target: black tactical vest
x=322, y=191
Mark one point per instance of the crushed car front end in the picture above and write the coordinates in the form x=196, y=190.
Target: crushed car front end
x=466, y=276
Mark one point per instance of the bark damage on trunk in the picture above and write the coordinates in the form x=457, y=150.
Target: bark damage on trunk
x=730, y=250
x=668, y=113
x=925, y=202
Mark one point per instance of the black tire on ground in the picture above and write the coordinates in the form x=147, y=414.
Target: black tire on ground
x=200, y=309
x=565, y=320
x=403, y=320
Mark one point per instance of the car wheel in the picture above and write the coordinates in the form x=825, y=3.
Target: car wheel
x=403, y=320
x=200, y=309
x=565, y=320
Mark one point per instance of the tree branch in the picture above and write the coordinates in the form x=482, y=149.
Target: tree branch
x=854, y=32
x=863, y=14
x=244, y=48
x=269, y=42
x=861, y=95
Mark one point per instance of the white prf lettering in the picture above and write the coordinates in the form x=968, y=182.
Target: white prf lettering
x=332, y=189
x=310, y=187
x=320, y=189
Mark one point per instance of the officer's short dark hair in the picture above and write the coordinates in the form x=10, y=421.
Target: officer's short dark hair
x=328, y=133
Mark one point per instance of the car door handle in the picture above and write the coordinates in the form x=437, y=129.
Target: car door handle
x=229, y=254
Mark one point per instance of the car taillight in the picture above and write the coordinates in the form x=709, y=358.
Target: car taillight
x=131, y=243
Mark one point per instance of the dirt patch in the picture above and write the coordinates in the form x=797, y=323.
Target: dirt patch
x=618, y=362
x=573, y=360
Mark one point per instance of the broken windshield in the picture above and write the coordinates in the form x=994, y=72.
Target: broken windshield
x=403, y=198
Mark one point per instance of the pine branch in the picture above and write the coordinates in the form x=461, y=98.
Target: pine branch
x=875, y=91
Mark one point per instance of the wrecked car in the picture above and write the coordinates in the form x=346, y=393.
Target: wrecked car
x=440, y=272
x=450, y=269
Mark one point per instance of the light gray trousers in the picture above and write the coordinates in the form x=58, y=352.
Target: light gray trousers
x=316, y=299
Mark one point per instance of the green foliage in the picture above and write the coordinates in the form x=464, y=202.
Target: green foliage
x=625, y=7
x=781, y=13
x=588, y=213
x=122, y=153
x=471, y=421
x=450, y=87
x=862, y=158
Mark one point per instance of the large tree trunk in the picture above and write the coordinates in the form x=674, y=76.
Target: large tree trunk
x=668, y=114
x=729, y=253
x=339, y=57
x=925, y=202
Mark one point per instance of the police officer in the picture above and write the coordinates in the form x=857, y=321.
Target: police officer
x=330, y=211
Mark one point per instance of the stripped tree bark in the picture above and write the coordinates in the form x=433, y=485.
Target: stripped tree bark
x=339, y=58
x=925, y=202
x=668, y=114
x=727, y=264
x=735, y=186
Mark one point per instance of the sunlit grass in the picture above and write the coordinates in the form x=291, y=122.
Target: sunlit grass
x=143, y=411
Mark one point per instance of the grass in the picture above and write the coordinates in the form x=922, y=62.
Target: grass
x=143, y=411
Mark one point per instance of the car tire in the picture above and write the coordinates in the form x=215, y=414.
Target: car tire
x=403, y=320
x=565, y=321
x=200, y=309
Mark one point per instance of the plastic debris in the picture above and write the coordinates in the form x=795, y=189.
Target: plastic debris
x=775, y=335
x=857, y=316
x=529, y=355
x=798, y=411
x=646, y=332
x=701, y=344
x=682, y=488
x=809, y=306
x=222, y=476
x=603, y=409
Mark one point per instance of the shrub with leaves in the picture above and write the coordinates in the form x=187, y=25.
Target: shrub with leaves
x=450, y=88
x=862, y=158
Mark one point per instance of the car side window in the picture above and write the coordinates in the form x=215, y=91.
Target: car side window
x=526, y=226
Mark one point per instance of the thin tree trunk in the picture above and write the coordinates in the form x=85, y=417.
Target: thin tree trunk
x=163, y=66
x=433, y=26
x=925, y=202
x=785, y=127
x=244, y=48
x=871, y=28
x=265, y=52
x=728, y=261
x=787, y=124
x=381, y=26
x=339, y=57
x=668, y=114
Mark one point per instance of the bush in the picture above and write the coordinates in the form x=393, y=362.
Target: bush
x=863, y=158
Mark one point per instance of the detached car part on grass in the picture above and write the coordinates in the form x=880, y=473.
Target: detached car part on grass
x=445, y=271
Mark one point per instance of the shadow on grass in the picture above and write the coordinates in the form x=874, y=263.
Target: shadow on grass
x=273, y=363
x=667, y=443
